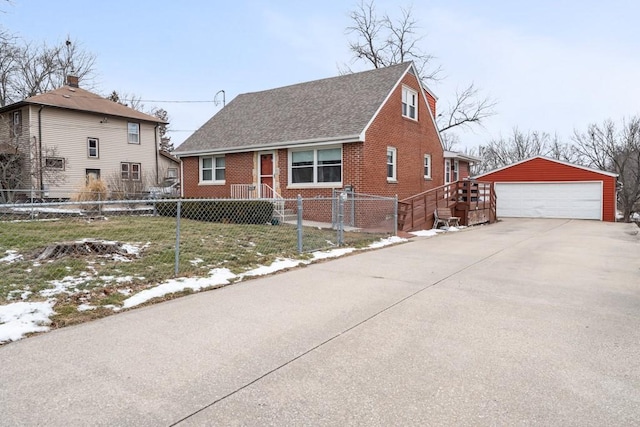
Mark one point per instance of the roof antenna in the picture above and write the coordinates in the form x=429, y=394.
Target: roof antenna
x=215, y=98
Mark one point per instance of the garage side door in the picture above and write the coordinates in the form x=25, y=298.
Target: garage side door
x=579, y=200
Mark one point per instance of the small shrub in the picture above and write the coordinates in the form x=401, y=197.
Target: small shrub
x=94, y=190
x=223, y=211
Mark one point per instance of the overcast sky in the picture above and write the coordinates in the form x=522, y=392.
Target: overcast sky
x=551, y=65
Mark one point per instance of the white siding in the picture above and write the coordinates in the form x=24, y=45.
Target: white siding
x=66, y=132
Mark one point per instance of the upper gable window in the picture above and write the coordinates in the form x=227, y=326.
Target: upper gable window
x=133, y=132
x=409, y=103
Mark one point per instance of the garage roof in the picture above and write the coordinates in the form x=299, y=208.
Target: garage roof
x=551, y=160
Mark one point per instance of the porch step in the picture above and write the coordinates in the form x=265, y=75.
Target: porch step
x=288, y=215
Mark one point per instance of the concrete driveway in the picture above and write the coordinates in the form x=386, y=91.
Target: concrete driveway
x=525, y=322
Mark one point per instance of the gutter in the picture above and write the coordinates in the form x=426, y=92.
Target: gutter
x=271, y=146
x=155, y=137
x=40, y=171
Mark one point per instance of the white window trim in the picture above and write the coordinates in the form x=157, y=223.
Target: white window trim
x=315, y=183
x=61, y=159
x=456, y=171
x=406, y=91
x=97, y=156
x=394, y=153
x=447, y=171
x=427, y=161
x=213, y=180
x=129, y=133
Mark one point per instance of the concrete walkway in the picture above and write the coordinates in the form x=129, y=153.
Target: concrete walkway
x=525, y=322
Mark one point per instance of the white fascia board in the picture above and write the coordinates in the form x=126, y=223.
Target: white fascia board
x=375, y=115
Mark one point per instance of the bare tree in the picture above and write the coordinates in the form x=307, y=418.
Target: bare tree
x=615, y=148
x=28, y=69
x=468, y=109
x=520, y=146
x=130, y=100
x=23, y=167
x=165, y=140
x=383, y=41
x=449, y=141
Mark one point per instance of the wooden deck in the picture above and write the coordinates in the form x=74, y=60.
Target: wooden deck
x=474, y=202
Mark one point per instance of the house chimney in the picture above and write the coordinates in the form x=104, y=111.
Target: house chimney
x=72, y=81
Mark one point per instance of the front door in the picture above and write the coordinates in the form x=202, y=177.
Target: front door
x=266, y=172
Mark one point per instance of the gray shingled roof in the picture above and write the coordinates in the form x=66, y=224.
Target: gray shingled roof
x=74, y=98
x=318, y=110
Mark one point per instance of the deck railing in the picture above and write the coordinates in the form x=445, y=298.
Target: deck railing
x=474, y=202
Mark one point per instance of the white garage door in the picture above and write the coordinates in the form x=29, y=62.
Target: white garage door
x=580, y=200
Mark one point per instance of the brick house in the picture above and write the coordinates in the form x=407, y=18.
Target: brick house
x=373, y=131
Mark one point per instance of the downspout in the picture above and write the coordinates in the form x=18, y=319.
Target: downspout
x=40, y=171
x=157, y=154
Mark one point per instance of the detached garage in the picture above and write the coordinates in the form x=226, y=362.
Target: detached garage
x=540, y=187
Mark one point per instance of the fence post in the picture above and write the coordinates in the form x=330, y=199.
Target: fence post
x=353, y=208
x=177, y=249
x=341, y=200
x=395, y=215
x=299, y=223
x=334, y=209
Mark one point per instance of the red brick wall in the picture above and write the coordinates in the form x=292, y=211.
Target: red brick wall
x=541, y=170
x=238, y=170
x=463, y=169
x=364, y=164
x=412, y=139
x=432, y=103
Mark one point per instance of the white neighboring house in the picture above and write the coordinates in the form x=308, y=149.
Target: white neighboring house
x=68, y=134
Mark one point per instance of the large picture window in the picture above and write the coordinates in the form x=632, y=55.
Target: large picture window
x=212, y=169
x=316, y=166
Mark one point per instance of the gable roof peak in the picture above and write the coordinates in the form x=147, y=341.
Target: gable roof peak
x=330, y=109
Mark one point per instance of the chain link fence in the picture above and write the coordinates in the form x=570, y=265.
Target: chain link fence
x=49, y=247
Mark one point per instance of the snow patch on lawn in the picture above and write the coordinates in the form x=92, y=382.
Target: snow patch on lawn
x=217, y=276
x=334, y=253
x=11, y=256
x=426, y=233
x=277, y=265
x=20, y=318
x=388, y=241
